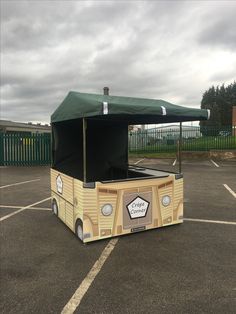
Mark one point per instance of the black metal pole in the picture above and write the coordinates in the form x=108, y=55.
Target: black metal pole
x=180, y=147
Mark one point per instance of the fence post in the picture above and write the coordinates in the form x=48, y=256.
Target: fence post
x=1, y=149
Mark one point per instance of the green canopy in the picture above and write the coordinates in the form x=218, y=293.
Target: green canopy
x=128, y=109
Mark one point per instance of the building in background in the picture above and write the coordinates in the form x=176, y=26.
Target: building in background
x=165, y=135
x=7, y=127
x=172, y=130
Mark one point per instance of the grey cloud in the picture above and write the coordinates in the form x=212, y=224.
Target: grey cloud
x=52, y=24
x=145, y=49
x=226, y=75
x=219, y=30
x=26, y=109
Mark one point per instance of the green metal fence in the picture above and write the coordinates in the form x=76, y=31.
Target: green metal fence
x=35, y=149
x=25, y=150
x=193, y=139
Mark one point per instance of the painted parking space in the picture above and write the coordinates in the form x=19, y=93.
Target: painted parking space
x=230, y=190
x=25, y=194
x=170, y=270
x=11, y=175
x=229, y=173
x=172, y=164
x=21, y=209
x=209, y=200
x=226, y=163
x=204, y=192
x=18, y=183
x=6, y=211
x=43, y=264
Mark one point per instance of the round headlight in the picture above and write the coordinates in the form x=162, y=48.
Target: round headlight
x=166, y=200
x=107, y=209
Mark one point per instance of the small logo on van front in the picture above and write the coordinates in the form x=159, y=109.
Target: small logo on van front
x=138, y=208
x=59, y=184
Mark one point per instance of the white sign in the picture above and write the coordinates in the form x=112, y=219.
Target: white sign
x=138, y=208
x=59, y=184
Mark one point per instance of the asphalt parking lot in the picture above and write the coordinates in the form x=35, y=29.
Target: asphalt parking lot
x=187, y=268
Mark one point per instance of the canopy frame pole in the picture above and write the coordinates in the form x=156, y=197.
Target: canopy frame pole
x=180, y=146
x=84, y=150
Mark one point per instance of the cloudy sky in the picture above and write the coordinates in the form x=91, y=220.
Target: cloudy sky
x=171, y=50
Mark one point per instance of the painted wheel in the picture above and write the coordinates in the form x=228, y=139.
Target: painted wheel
x=54, y=207
x=79, y=230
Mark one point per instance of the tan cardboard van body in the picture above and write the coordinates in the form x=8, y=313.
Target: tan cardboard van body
x=137, y=205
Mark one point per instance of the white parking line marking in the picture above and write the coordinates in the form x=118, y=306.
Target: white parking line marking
x=23, y=208
x=13, y=206
x=214, y=163
x=174, y=162
x=75, y=300
x=137, y=162
x=18, y=183
x=40, y=208
x=212, y=221
x=229, y=189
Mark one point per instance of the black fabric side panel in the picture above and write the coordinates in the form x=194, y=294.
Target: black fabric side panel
x=106, y=153
x=107, y=150
x=68, y=148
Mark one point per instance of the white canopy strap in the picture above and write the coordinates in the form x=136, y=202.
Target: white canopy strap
x=208, y=114
x=105, y=107
x=163, y=110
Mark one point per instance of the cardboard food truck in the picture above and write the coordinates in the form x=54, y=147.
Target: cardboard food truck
x=95, y=191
